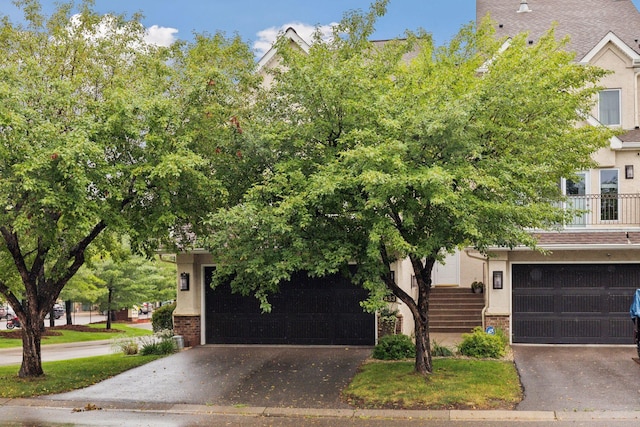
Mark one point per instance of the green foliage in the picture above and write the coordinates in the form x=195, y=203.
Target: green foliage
x=390, y=159
x=159, y=347
x=482, y=345
x=454, y=383
x=162, y=318
x=394, y=347
x=127, y=346
x=103, y=135
x=440, y=350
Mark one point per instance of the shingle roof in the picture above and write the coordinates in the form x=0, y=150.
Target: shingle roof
x=630, y=136
x=585, y=21
x=588, y=238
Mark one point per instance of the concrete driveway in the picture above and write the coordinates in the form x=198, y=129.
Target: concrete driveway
x=275, y=376
x=581, y=378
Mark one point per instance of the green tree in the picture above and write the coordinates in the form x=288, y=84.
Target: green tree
x=130, y=281
x=95, y=142
x=383, y=159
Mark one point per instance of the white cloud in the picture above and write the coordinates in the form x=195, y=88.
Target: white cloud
x=160, y=36
x=268, y=36
x=154, y=35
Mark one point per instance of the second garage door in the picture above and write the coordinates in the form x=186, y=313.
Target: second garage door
x=573, y=303
x=320, y=311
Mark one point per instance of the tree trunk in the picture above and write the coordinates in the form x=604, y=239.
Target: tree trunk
x=109, y=307
x=52, y=318
x=423, y=363
x=31, y=356
x=68, y=306
x=419, y=309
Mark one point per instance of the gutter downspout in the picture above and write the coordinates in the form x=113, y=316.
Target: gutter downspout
x=636, y=121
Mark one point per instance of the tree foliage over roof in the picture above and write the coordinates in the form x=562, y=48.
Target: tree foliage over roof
x=381, y=159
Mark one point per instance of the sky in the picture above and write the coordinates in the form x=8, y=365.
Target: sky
x=259, y=21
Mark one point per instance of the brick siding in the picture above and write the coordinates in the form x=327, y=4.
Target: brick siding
x=189, y=328
x=499, y=322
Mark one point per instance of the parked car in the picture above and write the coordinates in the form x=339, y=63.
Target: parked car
x=58, y=311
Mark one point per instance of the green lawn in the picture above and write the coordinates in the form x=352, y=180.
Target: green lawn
x=61, y=376
x=12, y=338
x=454, y=384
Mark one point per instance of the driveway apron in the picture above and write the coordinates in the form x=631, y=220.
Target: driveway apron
x=581, y=378
x=303, y=377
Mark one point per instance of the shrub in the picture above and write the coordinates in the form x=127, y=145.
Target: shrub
x=162, y=347
x=128, y=346
x=481, y=344
x=394, y=347
x=440, y=350
x=162, y=318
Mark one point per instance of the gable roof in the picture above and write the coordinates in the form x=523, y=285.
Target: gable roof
x=293, y=36
x=587, y=22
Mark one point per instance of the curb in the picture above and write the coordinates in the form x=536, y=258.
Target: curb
x=434, y=415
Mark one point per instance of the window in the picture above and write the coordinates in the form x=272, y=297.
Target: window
x=576, y=192
x=609, y=195
x=609, y=107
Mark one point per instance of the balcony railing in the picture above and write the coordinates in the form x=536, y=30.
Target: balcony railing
x=606, y=210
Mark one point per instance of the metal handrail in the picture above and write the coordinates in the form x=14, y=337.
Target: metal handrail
x=604, y=210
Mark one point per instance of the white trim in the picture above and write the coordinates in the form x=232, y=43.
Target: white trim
x=572, y=247
x=203, y=301
x=615, y=142
x=292, y=35
x=619, y=91
x=616, y=41
x=574, y=262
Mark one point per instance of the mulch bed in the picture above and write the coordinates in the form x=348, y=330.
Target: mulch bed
x=55, y=331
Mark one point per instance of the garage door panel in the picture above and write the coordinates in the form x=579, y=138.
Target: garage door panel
x=573, y=303
x=533, y=303
x=322, y=311
x=534, y=329
x=581, y=303
x=580, y=328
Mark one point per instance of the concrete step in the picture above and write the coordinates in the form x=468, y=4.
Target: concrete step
x=454, y=310
x=451, y=329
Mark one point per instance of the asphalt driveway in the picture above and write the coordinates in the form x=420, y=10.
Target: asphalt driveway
x=274, y=376
x=580, y=378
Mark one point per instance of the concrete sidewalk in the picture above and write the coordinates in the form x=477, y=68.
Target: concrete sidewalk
x=33, y=406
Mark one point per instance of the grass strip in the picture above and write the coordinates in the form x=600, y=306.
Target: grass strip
x=454, y=384
x=10, y=339
x=66, y=375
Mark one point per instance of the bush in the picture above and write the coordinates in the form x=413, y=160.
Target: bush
x=162, y=347
x=162, y=318
x=440, y=350
x=394, y=347
x=482, y=345
x=127, y=346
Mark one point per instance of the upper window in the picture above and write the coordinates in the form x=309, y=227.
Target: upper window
x=609, y=107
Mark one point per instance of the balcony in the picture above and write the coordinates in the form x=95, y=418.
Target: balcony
x=604, y=210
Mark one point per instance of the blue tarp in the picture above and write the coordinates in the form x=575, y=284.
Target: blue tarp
x=634, y=311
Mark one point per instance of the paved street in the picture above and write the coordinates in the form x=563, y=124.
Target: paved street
x=51, y=352
x=287, y=387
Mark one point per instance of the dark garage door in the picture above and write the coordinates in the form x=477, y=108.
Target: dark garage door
x=320, y=311
x=573, y=303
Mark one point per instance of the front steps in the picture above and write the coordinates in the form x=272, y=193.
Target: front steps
x=454, y=310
